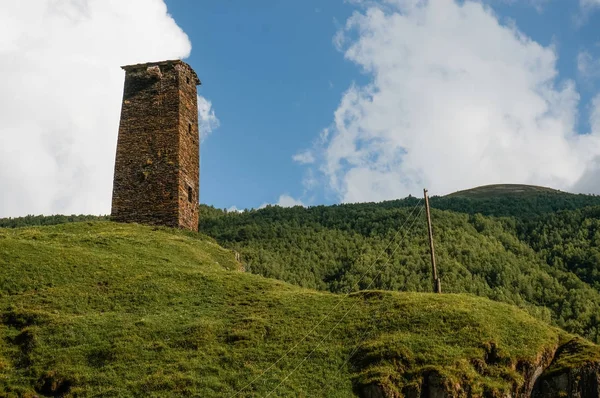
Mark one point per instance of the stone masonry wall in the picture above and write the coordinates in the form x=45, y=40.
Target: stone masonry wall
x=157, y=148
x=188, y=150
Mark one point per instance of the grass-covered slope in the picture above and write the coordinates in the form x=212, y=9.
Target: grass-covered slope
x=39, y=220
x=331, y=247
x=495, y=190
x=105, y=309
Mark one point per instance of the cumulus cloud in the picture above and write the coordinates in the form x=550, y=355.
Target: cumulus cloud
x=587, y=65
x=538, y=5
x=455, y=100
x=590, y=180
x=589, y=3
x=595, y=114
x=304, y=157
x=288, y=201
x=284, y=201
x=207, y=119
x=60, y=96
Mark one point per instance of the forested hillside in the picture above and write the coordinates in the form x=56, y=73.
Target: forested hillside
x=542, y=260
x=533, y=247
x=568, y=240
x=520, y=203
x=143, y=300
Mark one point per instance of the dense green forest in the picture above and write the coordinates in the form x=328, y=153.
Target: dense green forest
x=568, y=241
x=515, y=205
x=539, y=251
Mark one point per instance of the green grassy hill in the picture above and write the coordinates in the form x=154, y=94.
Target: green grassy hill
x=106, y=309
x=495, y=190
x=331, y=247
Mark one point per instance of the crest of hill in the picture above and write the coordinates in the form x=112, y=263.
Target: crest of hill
x=548, y=265
x=494, y=190
x=107, y=309
x=513, y=200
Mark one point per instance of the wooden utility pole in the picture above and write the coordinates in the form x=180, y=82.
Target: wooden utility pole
x=437, y=286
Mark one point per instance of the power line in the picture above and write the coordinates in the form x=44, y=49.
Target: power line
x=333, y=309
x=340, y=321
x=366, y=333
x=369, y=330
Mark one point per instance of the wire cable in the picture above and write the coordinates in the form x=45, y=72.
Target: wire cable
x=333, y=309
x=363, y=336
x=340, y=321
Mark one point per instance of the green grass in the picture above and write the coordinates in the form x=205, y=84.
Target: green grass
x=107, y=309
x=496, y=190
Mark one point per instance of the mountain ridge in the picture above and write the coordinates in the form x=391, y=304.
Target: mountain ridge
x=505, y=189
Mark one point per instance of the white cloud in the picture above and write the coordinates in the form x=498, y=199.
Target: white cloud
x=234, y=209
x=587, y=8
x=589, y=3
x=60, y=96
x=207, y=119
x=309, y=181
x=288, y=201
x=587, y=65
x=537, y=4
x=455, y=100
x=305, y=157
x=589, y=181
x=595, y=115
x=284, y=201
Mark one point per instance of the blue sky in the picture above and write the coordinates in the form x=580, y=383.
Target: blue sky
x=275, y=78
x=307, y=102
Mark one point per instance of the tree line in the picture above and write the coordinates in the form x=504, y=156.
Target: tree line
x=522, y=252
x=537, y=251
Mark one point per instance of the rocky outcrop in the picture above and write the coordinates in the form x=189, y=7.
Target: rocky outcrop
x=581, y=382
x=531, y=372
x=571, y=371
x=572, y=374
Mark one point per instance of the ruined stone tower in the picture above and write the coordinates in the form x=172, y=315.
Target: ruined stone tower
x=157, y=164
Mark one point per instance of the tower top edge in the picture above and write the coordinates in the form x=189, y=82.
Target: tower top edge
x=128, y=68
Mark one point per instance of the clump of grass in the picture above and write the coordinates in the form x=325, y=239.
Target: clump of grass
x=574, y=353
x=106, y=309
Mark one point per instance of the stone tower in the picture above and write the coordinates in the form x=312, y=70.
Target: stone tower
x=156, y=177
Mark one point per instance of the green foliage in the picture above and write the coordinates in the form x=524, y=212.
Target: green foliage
x=569, y=241
x=542, y=254
x=497, y=190
x=106, y=309
x=31, y=220
x=535, y=257
x=521, y=206
x=574, y=353
x=352, y=247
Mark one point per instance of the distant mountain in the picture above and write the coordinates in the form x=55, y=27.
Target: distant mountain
x=513, y=200
x=495, y=190
x=547, y=263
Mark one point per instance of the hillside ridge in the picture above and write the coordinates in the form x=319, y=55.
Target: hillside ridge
x=100, y=308
x=504, y=189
